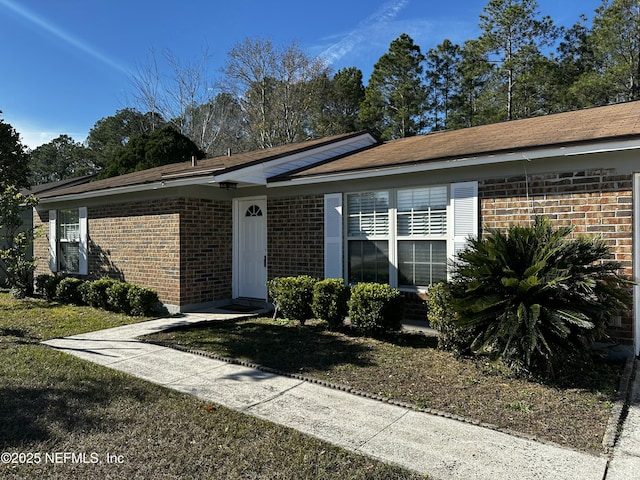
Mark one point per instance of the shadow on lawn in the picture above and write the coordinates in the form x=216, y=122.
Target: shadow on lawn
x=16, y=336
x=288, y=347
x=291, y=348
x=49, y=398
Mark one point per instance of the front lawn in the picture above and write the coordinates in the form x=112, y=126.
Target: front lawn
x=573, y=411
x=62, y=417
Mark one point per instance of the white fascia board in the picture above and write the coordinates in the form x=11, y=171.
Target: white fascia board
x=129, y=189
x=259, y=173
x=465, y=162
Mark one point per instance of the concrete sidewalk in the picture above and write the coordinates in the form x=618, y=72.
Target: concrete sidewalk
x=440, y=447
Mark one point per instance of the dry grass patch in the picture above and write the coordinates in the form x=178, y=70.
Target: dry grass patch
x=573, y=411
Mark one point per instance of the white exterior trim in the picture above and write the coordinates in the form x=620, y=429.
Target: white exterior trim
x=259, y=173
x=128, y=189
x=636, y=263
x=482, y=160
x=83, y=249
x=333, y=244
x=53, y=241
x=464, y=209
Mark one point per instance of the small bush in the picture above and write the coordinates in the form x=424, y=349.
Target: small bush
x=443, y=318
x=293, y=296
x=68, y=291
x=143, y=302
x=376, y=308
x=117, y=297
x=95, y=293
x=17, y=293
x=330, y=299
x=46, y=285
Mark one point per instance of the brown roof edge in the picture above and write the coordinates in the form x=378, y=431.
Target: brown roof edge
x=68, y=182
x=417, y=161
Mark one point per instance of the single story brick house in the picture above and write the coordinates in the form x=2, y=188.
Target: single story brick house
x=349, y=206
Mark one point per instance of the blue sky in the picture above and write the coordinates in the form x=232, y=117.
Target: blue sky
x=68, y=63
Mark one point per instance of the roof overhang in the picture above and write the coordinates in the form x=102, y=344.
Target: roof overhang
x=461, y=162
x=146, y=187
x=253, y=174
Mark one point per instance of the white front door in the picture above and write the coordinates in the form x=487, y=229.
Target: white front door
x=251, y=248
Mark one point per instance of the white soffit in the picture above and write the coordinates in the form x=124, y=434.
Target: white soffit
x=259, y=173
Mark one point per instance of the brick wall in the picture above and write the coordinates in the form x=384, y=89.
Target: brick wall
x=140, y=242
x=295, y=234
x=206, y=259
x=41, y=243
x=596, y=202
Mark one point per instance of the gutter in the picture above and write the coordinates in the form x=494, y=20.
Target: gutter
x=461, y=162
x=157, y=185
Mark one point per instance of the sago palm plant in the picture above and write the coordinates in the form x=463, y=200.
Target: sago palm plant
x=533, y=296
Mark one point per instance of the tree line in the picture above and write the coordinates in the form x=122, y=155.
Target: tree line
x=521, y=65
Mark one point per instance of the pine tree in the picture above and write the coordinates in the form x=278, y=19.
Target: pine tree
x=396, y=97
x=443, y=82
x=513, y=35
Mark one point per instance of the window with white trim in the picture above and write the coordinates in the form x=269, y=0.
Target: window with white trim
x=368, y=237
x=68, y=240
x=406, y=237
x=421, y=234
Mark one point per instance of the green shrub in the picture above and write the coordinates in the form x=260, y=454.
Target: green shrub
x=376, y=308
x=443, y=318
x=143, y=302
x=535, y=297
x=68, y=291
x=330, y=299
x=117, y=297
x=95, y=293
x=293, y=296
x=47, y=284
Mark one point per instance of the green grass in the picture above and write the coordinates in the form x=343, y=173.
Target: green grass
x=51, y=402
x=573, y=411
x=34, y=320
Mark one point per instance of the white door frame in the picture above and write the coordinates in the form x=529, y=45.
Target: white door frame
x=237, y=215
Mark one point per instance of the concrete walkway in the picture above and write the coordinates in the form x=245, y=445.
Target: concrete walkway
x=440, y=447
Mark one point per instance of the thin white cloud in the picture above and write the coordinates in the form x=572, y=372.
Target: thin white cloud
x=64, y=36
x=33, y=133
x=370, y=28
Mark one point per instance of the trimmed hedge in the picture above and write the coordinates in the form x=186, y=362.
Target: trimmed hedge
x=376, y=308
x=95, y=293
x=330, y=299
x=293, y=296
x=47, y=285
x=68, y=291
x=104, y=293
x=443, y=318
x=143, y=302
x=117, y=294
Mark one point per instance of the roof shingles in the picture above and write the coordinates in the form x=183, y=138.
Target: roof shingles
x=590, y=125
x=563, y=129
